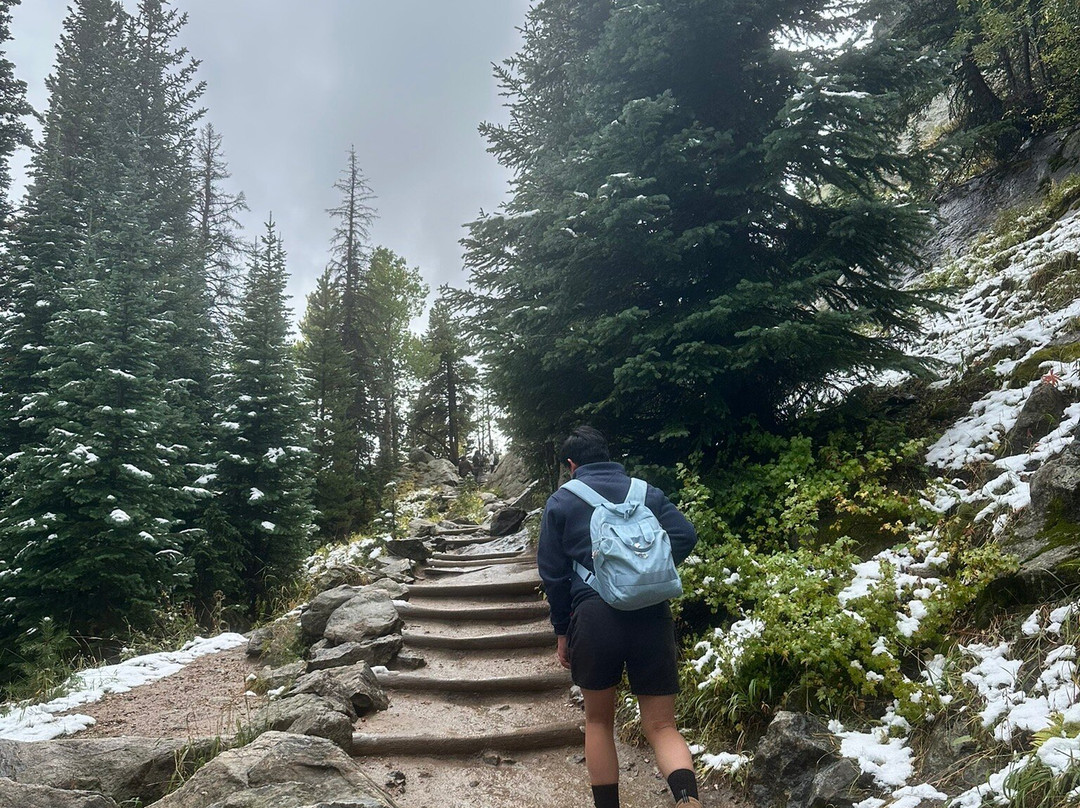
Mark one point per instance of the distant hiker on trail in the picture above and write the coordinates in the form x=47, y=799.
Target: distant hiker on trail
x=464, y=467
x=617, y=523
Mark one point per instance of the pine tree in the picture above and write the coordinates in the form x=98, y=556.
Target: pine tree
x=341, y=501
x=706, y=225
x=442, y=414
x=13, y=110
x=216, y=226
x=262, y=477
x=349, y=254
x=394, y=294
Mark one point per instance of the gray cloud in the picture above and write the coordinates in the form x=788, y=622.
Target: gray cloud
x=292, y=85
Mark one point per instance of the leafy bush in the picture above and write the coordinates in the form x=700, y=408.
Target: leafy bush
x=806, y=624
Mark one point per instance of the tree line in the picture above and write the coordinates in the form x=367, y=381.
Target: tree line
x=165, y=437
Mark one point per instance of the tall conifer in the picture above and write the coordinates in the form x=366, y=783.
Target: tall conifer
x=706, y=223
x=263, y=465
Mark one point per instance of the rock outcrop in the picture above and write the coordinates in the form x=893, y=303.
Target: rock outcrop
x=280, y=770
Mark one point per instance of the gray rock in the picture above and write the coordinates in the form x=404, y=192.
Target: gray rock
x=314, y=616
x=420, y=457
x=395, y=589
x=1046, y=538
x=1041, y=414
x=282, y=676
x=422, y=528
x=795, y=749
x=341, y=574
x=506, y=521
x=20, y=795
x=837, y=785
x=398, y=569
x=511, y=477
x=407, y=661
x=353, y=689
x=259, y=641
x=365, y=616
x=348, y=653
x=280, y=770
x=412, y=549
x=436, y=473
x=120, y=768
x=308, y=714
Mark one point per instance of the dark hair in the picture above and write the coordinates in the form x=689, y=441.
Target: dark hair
x=585, y=445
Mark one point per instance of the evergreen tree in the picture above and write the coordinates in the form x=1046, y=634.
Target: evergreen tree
x=706, y=224
x=262, y=477
x=13, y=110
x=341, y=501
x=349, y=254
x=88, y=530
x=74, y=171
x=443, y=411
x=394, y=294
x=216, y=226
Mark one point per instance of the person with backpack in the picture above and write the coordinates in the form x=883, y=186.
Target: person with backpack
x=607, y=553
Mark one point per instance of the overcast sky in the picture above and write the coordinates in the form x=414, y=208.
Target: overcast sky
x=292, y=84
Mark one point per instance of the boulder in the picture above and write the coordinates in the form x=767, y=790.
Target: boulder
x=436, y=473
x=120, y=768
x=365, y=616
x=354, y=689
x=1046, y=538
x=341, y=573
x=1041, y=414
x=309, y=714
x=315, y=615
x=407, y=661
x=259, y=641
x=412, y=549
x=280, y=770
x=420, y=456
x=397, y=569
x=506, y=521
x=394, y=589
x=283, y=676
x=510, y=478
x=796, y=765
x=29, y=796
x=422, y=528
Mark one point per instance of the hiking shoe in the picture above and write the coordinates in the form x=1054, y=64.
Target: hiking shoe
x=689, y=802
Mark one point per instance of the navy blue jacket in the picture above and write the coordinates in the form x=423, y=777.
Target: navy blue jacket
x=564, y=536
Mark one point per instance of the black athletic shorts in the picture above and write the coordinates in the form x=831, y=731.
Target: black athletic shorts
x=602, y=640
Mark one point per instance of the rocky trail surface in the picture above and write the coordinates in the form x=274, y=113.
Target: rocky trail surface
x=489, y=720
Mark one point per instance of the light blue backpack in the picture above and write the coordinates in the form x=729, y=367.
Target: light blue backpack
x=631, y=552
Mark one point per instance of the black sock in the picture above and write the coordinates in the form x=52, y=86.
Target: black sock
x=683, y=784
x=606, y=796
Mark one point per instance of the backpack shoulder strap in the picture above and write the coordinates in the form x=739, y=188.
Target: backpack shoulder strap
x=582, y=491
x=637, y=492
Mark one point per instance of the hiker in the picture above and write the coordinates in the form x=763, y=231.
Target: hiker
x=596, y=641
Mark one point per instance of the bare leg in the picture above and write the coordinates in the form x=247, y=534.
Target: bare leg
x=601, y=758
x=658, y=723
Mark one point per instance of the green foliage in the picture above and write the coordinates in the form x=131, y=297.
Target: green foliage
x=1030, y=369
x=777, y=493
x=467, y=505
x=777, y=548
x=45, y=658
x=706, y=223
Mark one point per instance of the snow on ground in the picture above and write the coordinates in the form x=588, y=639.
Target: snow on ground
x=41, y=722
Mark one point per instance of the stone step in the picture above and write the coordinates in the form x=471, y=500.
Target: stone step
x=458, y=561
x=476, y=556
x=464, y=530
x=486, y=642
x=545, y=736
x=530, y=610
x=478, y=588
x=535, y=683
x=463, y=542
